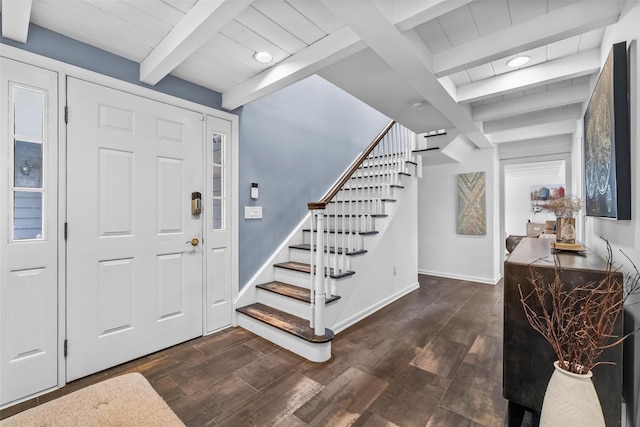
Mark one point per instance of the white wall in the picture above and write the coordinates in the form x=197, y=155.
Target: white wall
x=441, y=251
x=623, y=235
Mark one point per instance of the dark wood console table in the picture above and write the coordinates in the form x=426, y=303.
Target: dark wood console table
x=528, y=357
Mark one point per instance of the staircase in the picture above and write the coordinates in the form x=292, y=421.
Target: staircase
x=297, y=307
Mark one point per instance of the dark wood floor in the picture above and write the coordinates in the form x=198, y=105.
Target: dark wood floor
x=433, y=358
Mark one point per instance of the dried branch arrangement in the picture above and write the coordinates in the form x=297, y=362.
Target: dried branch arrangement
x=564, y=207
x=579, y=322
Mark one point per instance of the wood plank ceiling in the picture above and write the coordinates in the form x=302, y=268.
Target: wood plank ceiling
x=448, y=57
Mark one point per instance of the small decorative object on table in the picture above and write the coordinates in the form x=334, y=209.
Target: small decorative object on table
x=571, y=247
x=579, y=323
x=565, y=208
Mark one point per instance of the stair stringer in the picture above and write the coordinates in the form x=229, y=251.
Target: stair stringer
x=374, y=284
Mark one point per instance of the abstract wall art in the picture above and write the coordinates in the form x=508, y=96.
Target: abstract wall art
x=607, y=152
x=472, y=209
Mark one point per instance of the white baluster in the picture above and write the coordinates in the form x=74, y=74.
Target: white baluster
x=312, y=252
x=318, y=282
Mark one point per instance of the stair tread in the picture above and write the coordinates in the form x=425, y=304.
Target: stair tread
x=286, y=322
x=364, y=187
x=362, y=233
x=358, y=215
x=307, y=247
x=364, y=200
x=291, y=291
x=306, y=268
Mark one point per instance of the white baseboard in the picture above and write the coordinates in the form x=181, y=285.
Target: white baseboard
x=462, y=277
x=341, y=326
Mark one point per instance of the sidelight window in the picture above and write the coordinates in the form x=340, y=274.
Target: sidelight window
x=29, y=151
x=218, y=178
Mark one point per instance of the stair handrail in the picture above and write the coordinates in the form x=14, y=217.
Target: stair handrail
x=322, y=203
x=386, y=156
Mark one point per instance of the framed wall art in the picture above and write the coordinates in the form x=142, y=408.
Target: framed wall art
x=472, y=211
x=607, y=151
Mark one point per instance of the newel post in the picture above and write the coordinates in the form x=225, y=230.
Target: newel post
x=317, y=274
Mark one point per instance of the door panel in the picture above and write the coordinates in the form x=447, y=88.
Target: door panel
x=219, y=224
x=132, y=165
x=28, y=232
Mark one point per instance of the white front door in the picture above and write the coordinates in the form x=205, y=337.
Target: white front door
x=219, y=224
x=134, y=279
x=28, y=230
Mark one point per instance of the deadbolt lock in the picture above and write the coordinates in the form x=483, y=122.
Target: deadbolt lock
x=194, y=242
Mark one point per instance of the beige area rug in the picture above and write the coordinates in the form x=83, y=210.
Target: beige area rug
x=127, y=400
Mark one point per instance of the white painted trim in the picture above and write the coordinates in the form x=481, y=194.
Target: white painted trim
x=475, y=279
x=65, y=70
x=62, y=218
x=339, y=327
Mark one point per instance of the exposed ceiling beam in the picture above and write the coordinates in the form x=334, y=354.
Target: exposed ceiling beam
x=203, y=20
x=15, y=19
x=567, y=67
x=303, y=64
x=537, y=101
x=557, y=144
x=397, y=51
x=545, y=116
x=458, y=148
x=535, y=131
x=409, y=14
x=324, y=52
x=569, y=21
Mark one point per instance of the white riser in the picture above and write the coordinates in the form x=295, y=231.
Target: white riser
x=358, y=206
x=389, y=162
x=298, y=255
x=292, y=277
x=310, y=351
x=366, y=223
x=385, y=192
x=357, y=241
x=375, y=180
x=286, y=304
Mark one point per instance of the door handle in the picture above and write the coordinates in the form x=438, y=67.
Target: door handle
x=193, y=242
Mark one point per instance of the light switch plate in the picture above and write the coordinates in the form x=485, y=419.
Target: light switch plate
x=253, y=212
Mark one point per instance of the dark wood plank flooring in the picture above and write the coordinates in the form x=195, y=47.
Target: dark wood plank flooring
x=433, y=358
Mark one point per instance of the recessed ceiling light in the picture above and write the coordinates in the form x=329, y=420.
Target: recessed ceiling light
x=518, y=61
x=263, y=57
x=418, y=105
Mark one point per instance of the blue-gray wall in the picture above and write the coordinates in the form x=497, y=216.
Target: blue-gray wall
x=62, y=48
x=295, y=143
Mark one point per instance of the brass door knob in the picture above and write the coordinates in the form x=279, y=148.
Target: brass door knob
x=194, y=242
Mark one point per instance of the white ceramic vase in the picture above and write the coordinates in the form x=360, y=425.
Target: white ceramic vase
x=571, y=401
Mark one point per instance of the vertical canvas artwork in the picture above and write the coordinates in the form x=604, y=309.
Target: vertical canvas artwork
x=472, y=210
x=607, y=155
